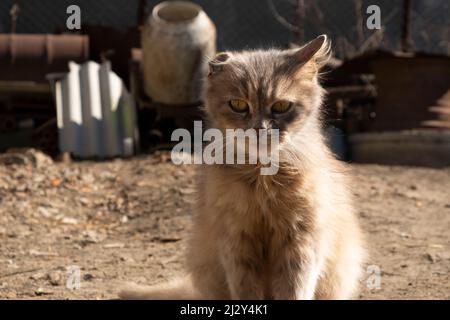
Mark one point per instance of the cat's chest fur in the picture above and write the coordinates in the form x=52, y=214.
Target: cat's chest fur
x=258, y=221
x=265, y=210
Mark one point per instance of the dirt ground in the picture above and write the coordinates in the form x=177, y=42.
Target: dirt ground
x=128, y=220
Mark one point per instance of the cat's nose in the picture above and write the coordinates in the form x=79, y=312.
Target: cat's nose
x=261, y=125
x=265, y=125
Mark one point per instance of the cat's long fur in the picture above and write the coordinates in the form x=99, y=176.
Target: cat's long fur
x=292, y=235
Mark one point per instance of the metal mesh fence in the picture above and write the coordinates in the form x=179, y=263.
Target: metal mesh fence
x=48, y=16
x=345, y=22
x=430, y=27
x=252, y=23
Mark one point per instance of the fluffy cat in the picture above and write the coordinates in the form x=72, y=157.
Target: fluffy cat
x=292, y=235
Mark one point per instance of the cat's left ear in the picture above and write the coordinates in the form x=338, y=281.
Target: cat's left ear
x=316, y=52
x=218, y=63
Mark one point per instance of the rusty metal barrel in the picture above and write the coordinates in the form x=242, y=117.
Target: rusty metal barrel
x=29, y=57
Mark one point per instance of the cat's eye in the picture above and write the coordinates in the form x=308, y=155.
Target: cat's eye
x=281, y=106
x=238, y=105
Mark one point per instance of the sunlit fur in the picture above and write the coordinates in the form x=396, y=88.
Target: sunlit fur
x=292, y=235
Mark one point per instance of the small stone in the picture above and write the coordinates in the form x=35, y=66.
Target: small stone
x=55, y=182
x=108, y=176
x=68, y=220
x=11, y=234
x=113, y=245
x=54, y=278
x=432, y=257
x=127, y=259
x=38, y=253
x=84, y=201
x=43, y=292
x=44, y=212
x=89, y=178
x=38, y=276
x=405, y=235
x=91, y=236
x=88, y=277
x=363, y=214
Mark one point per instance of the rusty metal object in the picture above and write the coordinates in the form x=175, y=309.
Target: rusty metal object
x=42, y=48
x=27, y=57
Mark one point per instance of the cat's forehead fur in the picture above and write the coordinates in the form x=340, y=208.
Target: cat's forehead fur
x=265, y=75
x=258, y=63
x=260, y=72
x=267, y=69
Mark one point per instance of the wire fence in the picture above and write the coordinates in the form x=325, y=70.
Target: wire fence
x=259, y=23
x=49, y=16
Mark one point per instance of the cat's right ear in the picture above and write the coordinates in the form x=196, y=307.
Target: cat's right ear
x=315, y=54
x=218, y=62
